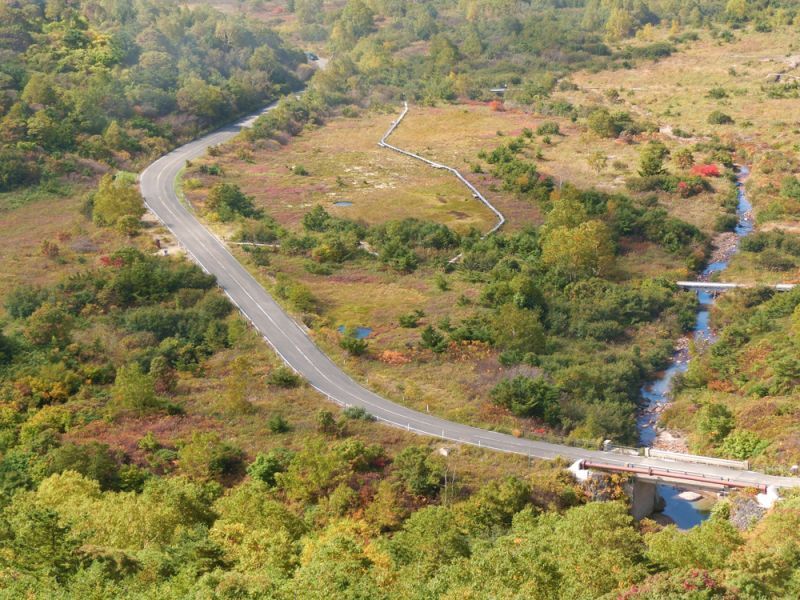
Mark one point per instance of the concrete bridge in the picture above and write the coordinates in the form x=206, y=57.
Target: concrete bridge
x=711, y=286
x=649, y=467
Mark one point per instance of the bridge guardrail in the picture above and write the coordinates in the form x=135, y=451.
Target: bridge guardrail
x=609, y=446
x=670, y=474
x=744, y=465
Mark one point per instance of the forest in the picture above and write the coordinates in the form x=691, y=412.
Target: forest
x=87, y=86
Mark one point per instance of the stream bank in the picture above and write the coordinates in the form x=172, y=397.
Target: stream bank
x=657, y=394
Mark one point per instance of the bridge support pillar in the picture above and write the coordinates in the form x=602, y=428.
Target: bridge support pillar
x=645, y=499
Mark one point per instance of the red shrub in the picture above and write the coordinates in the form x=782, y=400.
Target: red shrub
x=107, y=261
x=706, y=170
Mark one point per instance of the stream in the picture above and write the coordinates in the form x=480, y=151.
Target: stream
x=656, y=394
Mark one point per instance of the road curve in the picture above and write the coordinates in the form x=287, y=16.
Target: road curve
x=296, y=348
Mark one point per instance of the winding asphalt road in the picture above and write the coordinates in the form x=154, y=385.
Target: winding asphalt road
x=300, y=353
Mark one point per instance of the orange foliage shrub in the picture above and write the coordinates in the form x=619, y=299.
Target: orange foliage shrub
x=718, y=385
x=393, y=357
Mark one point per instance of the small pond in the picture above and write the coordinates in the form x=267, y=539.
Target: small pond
x=359, y=332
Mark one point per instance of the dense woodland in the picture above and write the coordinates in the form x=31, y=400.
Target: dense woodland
x=92, y=88
x=445, y=50
x=85, y=85
x=334, y=516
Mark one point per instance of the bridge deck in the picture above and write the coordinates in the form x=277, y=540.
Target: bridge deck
x=669, y=475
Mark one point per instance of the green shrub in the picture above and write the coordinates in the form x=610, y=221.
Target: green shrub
x=283, y=377
x=134, y=391
x=742, y=445
x=326, y=422
x=755, y=242
x=260, y=256
x=264, y=231
x=353, y=346
x=94, y=460
x=548, y=128
x=726, y=222
x=357, y=413
x=717, y=93
x=773, y=260
x=433, y=340
x=115, y=198
x=266, y=466
x=718, y=117
x=17, y=169
x=654, y=183
x=317, y=268
x=296, y=293
x=715, y=422
x=420, y=471
x=652, y=51
x=411, y=320
x=651, y=159
x=607, y=124
x=278, y=424
x=526, y=397
x=207, y=457
x=228, y=201
x=351, y=111
x=23, y=301
x=317, y=219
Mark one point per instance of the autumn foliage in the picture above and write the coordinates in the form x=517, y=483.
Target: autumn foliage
x=706, y=170
x=392, y=357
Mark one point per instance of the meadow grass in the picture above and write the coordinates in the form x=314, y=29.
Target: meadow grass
x=344, y=163
x=677, y=92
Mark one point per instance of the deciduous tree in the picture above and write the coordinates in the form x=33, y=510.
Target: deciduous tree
x=583, y=251
x=116, y=198
x=134, y=390
x=49, y=324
